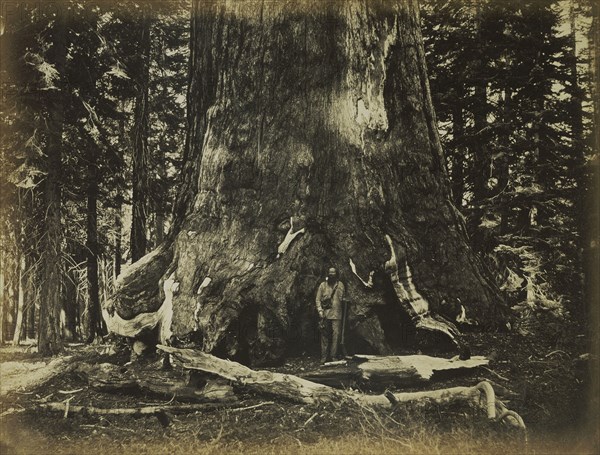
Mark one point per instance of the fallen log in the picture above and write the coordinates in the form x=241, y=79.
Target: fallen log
x=107, y=377
x=280, y=385
x=385, y=371
x=19, y=376
x=301, y=390
x=65, y=408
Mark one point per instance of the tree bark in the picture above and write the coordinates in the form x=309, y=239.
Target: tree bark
x=159, y=205
x=3, y=302
x=49, y=334
x=71, y=329
x=31, y=313
x=576, y=104
x=479, y=146
x=20, y=300
x=312, y=138
x=93, y=320
x=459, y=155
x=502, y=165
x=138, y=241
x=480, y=152
x=118, y=229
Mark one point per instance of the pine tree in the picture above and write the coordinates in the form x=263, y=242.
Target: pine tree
x=520, y=195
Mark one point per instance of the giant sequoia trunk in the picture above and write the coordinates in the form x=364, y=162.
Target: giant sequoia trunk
x=312, y=144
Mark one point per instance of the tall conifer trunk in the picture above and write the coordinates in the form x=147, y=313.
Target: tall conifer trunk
x=3, y=302
x=49, y=334
x=118, y=231
x=458, y=158
x=93, y=319
x=139, y=139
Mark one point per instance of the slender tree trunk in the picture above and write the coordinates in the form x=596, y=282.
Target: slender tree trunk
x=159, y=198
x=31, y=321
x=459, y=155
x=12, y=309
x=31, y=283
x=49, y=334
x=543, y=165
x=3, y=302
x=479, y=147
x=480, y=151
x=578, y=149
x=502, y=163
x=49, y=339
x=481, y=171
x=71, y=306
x=20, y=300
x=576, y=104
x=118, y=232
x=93, y=301
x=138, y=242
x=160, y=201
x=25, y=324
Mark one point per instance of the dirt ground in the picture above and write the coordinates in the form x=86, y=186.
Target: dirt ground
x=542, y=377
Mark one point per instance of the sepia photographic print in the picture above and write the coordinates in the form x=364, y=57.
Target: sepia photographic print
x=299, y=226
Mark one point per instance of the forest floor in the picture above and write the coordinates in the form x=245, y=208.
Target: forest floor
x=542, y=377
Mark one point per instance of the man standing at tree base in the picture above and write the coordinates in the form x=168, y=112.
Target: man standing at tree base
x=329, y=306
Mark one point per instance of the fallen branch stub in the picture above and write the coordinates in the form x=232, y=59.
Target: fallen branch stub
x=384, y=371
x=369, y=282
x=289, y=237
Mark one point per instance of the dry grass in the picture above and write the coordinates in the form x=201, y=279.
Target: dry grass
x=420, y=442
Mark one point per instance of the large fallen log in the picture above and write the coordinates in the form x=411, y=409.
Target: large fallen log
x=294, y=388
x=19, y=376
x=280, y=385
x=378, y=371
x=183, y=386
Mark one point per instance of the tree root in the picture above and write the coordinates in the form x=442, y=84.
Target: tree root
x=417, y=306
x=496, y=410
x=144, y=321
